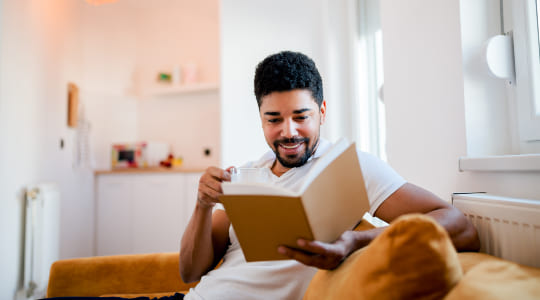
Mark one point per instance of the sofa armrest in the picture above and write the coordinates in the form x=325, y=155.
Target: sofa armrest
x=120, y=274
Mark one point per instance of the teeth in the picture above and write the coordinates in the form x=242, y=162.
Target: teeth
x=290, y=147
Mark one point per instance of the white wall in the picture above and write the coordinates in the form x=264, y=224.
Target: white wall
x=428, y=103
x=190, y=123
x=423, y=91
x=252, y=30
x=38, y=55
x=125, y=45
x=181, y=32
x=108, y=54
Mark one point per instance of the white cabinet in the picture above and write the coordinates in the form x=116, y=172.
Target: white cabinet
x=143, y=212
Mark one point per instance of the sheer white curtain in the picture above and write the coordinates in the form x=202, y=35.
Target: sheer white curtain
x=371, y=121
x=352, y=72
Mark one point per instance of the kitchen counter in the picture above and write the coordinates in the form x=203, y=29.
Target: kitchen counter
x=147, y=170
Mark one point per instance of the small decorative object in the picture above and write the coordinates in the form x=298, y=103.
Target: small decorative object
x=177, y=75
x=177, y=162
x=164, y=77
x=167, y=162
x=190, y=73
x=171, y=161
x=73, y=104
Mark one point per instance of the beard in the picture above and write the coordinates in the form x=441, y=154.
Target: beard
x=297, y=160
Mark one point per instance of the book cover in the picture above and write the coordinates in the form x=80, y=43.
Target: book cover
x=332, y=199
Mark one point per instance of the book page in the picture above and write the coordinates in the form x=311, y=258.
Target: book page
x=336, y=199
x=369, y=222
x=324, y=161
x=376, y=222
x=254, y=188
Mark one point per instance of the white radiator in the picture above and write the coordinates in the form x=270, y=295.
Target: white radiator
x=41, y=239
x=507, y=227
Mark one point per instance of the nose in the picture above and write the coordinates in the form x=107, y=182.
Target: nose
x=289, y=129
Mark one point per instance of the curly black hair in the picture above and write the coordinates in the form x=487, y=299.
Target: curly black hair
x=285, y=71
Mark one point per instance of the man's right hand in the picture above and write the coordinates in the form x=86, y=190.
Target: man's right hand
x=210, y=186
x=206, y=237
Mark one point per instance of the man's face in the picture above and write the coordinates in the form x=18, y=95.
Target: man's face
x=291, y=123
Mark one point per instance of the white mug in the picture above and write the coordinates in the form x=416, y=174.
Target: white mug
x=249, y=175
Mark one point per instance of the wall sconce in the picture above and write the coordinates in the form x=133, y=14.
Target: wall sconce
x=499, y=57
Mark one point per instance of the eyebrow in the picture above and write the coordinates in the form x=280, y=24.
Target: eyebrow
x=276, y=113
x=299, y=111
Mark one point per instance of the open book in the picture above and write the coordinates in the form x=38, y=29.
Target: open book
x=331, y=200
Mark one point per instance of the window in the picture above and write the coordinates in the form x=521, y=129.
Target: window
x=372, y=135
x=537, y=37
x=538, y=22
x=521, y=19
x=502, y=121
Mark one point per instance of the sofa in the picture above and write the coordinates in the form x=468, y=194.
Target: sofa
x=412, y=259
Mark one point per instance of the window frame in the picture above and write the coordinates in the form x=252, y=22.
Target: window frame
x=370, y=109
x=520, y=21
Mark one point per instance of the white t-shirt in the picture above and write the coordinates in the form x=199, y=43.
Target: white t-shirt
x=284, y=279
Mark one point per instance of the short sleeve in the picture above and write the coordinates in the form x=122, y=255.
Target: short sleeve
x=380, y=179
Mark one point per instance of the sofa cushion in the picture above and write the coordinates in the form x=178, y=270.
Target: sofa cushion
x=497, y=279
x=412, y=259
x=121, y=274
x=152, y=296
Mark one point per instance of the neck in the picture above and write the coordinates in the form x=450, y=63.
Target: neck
x=278, y=169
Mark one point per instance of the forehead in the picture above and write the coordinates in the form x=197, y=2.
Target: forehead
x=288, y=101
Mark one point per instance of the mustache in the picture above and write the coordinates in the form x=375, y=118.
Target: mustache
x=291, y=140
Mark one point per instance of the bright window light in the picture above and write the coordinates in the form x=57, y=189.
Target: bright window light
x=538, y=22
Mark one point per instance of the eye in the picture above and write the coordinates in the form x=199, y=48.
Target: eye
x=273, y=120
x=300, y=118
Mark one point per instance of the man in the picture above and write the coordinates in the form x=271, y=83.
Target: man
x=288, y=89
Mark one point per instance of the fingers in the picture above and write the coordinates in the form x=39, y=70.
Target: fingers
x=316, y=254
x=316, y=247
x=329, y=255
x=218, y=174
x=210, y=186
x=327, y=260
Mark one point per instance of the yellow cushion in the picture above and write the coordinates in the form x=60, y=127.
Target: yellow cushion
x=412, y=259
x=121, y=274
x=498, y=279
x=149, y=295
x=469, y=260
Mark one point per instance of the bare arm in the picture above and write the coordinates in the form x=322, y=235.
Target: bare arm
x=407, y=199
x=411, y=198
x=206, y=237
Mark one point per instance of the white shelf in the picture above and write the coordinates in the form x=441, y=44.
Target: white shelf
x=170, y=89
x=501, y=163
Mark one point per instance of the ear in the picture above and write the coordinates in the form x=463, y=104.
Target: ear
x=322, y=110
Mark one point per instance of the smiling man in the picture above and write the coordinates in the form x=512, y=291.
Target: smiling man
x=291, y=123
x=288, y=89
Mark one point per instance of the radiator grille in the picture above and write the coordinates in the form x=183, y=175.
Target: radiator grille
x=507, y=227
x=41, y=246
